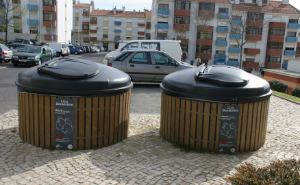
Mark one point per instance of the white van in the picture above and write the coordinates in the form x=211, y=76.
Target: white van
x=61, y=48
x=171, y=47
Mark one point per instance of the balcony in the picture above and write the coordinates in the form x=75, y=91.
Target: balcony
x=49, y=23
x=2, y=20
x=251, y=51
x=291, y=39
x=272, y=65
x=251, y=64
x=206, y=28
x=49, y=8
x=235, y=36
x=222, y=29
x=93, y=31
x=162, y=26
x=255, y=23
x=276, y=38
x=220, y=57
x=141, y=33
x=221, y=43
x=289, y=52
x=86, y=31
x=148, y=27
x=93, y=22
x=204, y=42
x=2, y=5
x=48, y=37
x=298, y=44
x=86, y=14
x=223, y=15
x=117, y=31
x=233, y=63
x=274, y=52
x=163, y=12
x=218, y=62
x=206, y=14
x=158, y=38
x=237, y=22
x=294, y=25
x=204, y=56
x=117, y=22
x=284, y=66
x=277, y=24
x=234, y=50
x=117, y=39
x=32, y=22
x=93, y=38
x=253, y=37
x=141, y=24
x=181, y=27
x=32, y=7
x=86, y=39
x=86, y=23
x=182, y=12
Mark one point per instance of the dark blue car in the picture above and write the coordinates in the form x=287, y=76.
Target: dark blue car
x=74, y=50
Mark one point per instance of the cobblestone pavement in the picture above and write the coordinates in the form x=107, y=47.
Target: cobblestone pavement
x=143, y=158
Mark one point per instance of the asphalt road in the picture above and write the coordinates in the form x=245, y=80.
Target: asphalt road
x=145, y=97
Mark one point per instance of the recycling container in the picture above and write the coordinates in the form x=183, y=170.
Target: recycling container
x=215, y=108
x=73, y=104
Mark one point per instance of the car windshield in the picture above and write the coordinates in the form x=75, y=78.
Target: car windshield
x=5, y=48
x=31, y=49
x=63, y=46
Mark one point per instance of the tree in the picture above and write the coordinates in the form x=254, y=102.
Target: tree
x=245, y=23
x=8, y=12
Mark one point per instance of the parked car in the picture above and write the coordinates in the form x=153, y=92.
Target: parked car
x=22, y=41
x=16, y=47
x=61, y=48
x=97, y=49
x=103, y=49
x=32, y=55
x=93, y=50
x=54, y=53
x=83, y=49
x=74, y=49
x=5, y=54
x=146, y=65
x=171, y=47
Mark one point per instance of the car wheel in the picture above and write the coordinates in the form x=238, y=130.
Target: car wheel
x=40, y=62
x=76, y=53
x=51, y=58
x=6, y=61
x=16, y=65
x=58, y=55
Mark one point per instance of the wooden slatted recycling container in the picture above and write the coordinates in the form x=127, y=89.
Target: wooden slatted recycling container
x=73, y=104
x=215, y=108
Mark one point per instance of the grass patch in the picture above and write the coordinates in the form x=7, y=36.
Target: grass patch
x=290, y=97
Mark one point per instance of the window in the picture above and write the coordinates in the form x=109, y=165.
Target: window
x=148, y=24
x=290, y=49
x=17, y=17
x=252, y=30
x=255, y=16
x=223, y=10
x=250, y=59
x=18, y=30
x=236, y=17
x=234, y=46
x=182, y=5
x=273, y=58
x=117, y=37
x=49, y=16
x=236, y=30
x=298, y=51
x=184, y=47
x=232, y=59
x=204, y=49
x=33, y=30
x=221, y=38
x=141, y=58
x=123, y=56
x=220, y=52
x=293, y=20
x=291, y=34
x=16, y=1
x=105, y=36
x=151, y=45
x=182, y=19
x=205, y=35
x=86, y=11
x=162, y=35
x=163, y=6
x=276, y=31
x=285, y=61
x=141, y=38
x=116, y=45
x=265, y=2
x=49, y=3
x=242, y=1
x=161, y=59
x=254, y=1
x=207, y=7
x=93, y=19
x=85, y=26
x=132, y=45
x=275, y=45
x=76, y=18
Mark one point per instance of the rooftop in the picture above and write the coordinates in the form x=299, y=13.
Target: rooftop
x=148, y=15
x=82, y=5
x=214, y=1
x=118, y=14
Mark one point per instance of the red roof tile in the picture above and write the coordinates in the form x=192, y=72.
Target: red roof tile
x=272, y=7
x=118, y=14
x=148, y=15
x=82, y=5
x=214, y=1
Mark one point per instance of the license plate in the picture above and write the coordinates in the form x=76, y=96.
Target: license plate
x=22, y=60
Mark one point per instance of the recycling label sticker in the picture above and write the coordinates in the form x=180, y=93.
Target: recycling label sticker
x=64, y=123
x=229, y=128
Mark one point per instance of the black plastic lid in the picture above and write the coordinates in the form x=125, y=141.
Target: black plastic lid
x=216, y=83
x=73, y=77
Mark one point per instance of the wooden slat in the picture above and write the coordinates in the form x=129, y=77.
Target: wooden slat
x=81, y=124
x=95, y=122
x=169, y=118
x=199, y=124
x=239, y=128
x=177, y=119
x=120, y=118
x=265, y=122
x=27, y=118
x=101, y=122
x=162, y=114
x=218, y=127
x=182, y=121
x=52, y=121
x=20, y=109
x=124, y=116
x=112, y=120
x=253, y=129
x=206, y=125
x=166, y=117
x=249, y=127
x=128, y=113
x=36, y=119
x=88, y=122
x=212, y=128
x=258, y=123
x=244, y=127
x=117, y=112
x=31, y=113
x=187, y=125
x=193, y=124
x=24, y=117
x=41, y=121
x=106, y=121
x=75, y=124
x=173, y=119
x=262, y=123
x=47, y=121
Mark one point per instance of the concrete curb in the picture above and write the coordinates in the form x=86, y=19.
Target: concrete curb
x=286, y=99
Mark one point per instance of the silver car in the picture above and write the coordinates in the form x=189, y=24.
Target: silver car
x=5, y=54
x=146, y=65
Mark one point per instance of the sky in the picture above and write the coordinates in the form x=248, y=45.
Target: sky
x=141, y=4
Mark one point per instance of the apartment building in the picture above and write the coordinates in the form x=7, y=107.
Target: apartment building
x=272, y=34
x=108, y=28
x=45, y=19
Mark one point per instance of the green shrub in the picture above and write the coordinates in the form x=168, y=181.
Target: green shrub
x=296, y=92
x=278, y=86
x=278, y=172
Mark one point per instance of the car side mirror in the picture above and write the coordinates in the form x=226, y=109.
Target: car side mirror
x=176, y=64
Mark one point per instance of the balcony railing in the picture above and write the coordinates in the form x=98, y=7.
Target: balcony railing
x=117, y=31
x=223, y=15
x=33, y=7
x=233, y=63
x=118, y=22
x=2, y=20
x=221, y=43
x=159, y=38
x=291, y=39
x=289, y=52
x=219, y=62
x=2, y=4
x=235, y=36
x=234, y=50
x=220, y=57
x=163, y=12
x=284, y=66
x=117, y=39
x=162, y=26
x=32, y=22
x=294, y=25
x=237, y=22
x=222, y=29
